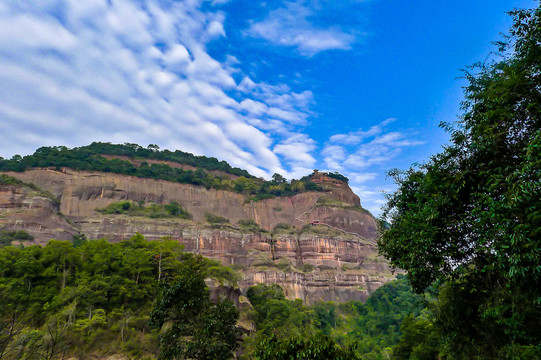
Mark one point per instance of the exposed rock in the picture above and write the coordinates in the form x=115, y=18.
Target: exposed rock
x=80, y=193
x=23, y=208
x=336, y=260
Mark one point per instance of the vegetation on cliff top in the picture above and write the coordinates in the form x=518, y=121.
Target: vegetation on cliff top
x=90, y=158
x=80, y=157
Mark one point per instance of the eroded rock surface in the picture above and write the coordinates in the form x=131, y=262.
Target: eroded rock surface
x=333, y=261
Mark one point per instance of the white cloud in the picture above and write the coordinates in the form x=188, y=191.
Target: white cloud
x=22, y=32
x=216, y=29
x=139, y=72
x=364, y=156
x=290, y=26
x=296, y=152
x=177, y=55
x=371, y=199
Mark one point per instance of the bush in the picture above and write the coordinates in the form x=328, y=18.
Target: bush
x=6, y=237
x=155, y=211
x=336, y=175
x=215, y=219
x=248, y=222
x=282, y=226
x=307, y=268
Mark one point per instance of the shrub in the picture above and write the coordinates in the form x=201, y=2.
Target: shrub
x=215, y=219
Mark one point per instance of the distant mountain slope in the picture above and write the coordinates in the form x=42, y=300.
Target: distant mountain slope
x=82, y=156
x=318, y=243
x=150, y=162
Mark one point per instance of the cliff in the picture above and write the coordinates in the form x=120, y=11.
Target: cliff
x=336, y=260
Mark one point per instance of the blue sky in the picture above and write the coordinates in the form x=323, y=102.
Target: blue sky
x=355, y=86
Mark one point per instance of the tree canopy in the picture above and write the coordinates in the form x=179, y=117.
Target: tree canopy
x=92, y=297
x=135, y=160
x=471, y=215
x=196, y=328
x=329, y=330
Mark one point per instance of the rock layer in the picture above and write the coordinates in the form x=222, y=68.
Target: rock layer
x=334, y=261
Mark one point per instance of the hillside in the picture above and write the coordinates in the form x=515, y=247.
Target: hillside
x=319, y=245
x=150, y=162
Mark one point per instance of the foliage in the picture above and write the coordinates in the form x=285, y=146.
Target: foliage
x=7, y=237
x=371, y=329
x=215, y=219
x=318, y=347
x=171, y=210
x=471, y=216
x=93, y=297
x=91, y=158
x=224, y=274
x=420, y=339
x=249, y=225
x=282, y=226
x=74, y=158
x=196, y=328
x=8, y=180
x=336, y=175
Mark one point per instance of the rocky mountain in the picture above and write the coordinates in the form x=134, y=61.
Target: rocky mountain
x=318, y=245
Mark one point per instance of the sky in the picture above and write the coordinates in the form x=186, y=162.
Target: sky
x=354, y=86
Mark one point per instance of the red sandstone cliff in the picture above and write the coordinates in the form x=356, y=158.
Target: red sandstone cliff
x=336, y=261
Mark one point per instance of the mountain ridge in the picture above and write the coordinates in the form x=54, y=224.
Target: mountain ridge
x=318, y=245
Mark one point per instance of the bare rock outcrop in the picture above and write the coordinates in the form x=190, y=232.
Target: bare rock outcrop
x=333, y=260
x=24, y=208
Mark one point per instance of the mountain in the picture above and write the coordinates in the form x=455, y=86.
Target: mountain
x=311, y=236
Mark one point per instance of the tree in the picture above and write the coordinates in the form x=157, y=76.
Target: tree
x=166, y=255
x=471, y=215
x=278, y=179
x=319, y=347
x=191, y=326
x=419, y=340
x=13, y=319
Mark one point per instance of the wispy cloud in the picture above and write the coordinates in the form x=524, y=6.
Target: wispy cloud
x=76, y=71
x=296, y=153
x=364, y=155
x=291, y=26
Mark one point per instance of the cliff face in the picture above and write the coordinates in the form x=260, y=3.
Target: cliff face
x=23, y=208
x=335, y=261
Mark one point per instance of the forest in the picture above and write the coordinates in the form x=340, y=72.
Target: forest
x=91, y=158
x=464, y=226
x=91, y=297
x=469, y=219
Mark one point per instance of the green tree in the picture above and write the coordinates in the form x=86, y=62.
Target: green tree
x=420, y=340
x=191, y=326
x=471, y=215
x=318, y=347
x=166, y=253
x=278, y=179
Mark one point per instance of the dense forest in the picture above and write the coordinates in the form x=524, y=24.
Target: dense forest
x=77, y=157
x=136, y=297
x=93, y=158
x=469, y=218
x=465, y=226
